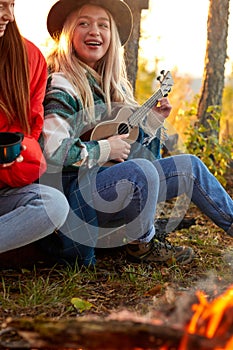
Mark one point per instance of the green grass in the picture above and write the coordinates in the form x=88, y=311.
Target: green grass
x=115, y=284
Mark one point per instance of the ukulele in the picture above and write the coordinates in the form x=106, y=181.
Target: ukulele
x=127, y=121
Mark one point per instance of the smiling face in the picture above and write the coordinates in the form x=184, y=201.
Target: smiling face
x=92, y=34
x=6, y=14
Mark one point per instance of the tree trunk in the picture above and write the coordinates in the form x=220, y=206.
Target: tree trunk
x=216, y=54
x=131, y=48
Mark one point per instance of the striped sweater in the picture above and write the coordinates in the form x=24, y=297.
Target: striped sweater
x=65, y=123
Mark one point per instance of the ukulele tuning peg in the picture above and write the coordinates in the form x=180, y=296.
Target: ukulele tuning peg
x=161, y=77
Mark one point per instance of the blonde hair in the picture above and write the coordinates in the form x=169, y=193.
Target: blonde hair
x=110, y=72
x=14, y=78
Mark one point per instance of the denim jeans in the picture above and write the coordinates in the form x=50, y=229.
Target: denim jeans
x=188, y=174
x=131, y=191
x=137, y=187
x=29, y=213
x=127, y=191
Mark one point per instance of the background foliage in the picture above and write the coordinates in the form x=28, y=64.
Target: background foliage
x=216, y=153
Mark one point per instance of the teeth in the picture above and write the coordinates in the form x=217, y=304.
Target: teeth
x=93, y=43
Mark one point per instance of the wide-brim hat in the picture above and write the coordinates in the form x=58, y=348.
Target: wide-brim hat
x=118, y=8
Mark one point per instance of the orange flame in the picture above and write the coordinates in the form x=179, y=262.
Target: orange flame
x=211, y=319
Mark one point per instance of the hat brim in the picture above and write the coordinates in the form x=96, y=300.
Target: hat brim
x=118, y=8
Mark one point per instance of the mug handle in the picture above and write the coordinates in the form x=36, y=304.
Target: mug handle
x=21, y=135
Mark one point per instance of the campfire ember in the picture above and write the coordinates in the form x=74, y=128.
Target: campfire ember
x=212, y=319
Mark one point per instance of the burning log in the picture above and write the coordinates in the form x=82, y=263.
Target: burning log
x=94, y=334
x=84, y=334
x=210, y=327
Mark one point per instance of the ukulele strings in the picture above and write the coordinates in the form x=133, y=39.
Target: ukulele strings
x=136, y=116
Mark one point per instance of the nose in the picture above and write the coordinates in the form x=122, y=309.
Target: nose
x=94, y=30
x=8, y=14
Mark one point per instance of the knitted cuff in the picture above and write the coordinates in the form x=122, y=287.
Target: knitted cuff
x=105, y=150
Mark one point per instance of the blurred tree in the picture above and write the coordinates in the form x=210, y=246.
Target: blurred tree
x=132, y=46
x=179, y=97
x=216, y=54
x=145, y=82
x=227, y=110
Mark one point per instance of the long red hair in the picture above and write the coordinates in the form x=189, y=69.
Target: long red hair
x=14, y=78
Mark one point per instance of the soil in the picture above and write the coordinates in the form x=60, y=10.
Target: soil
x=118, y=286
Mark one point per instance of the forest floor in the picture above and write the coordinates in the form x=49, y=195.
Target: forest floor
x=116, y=285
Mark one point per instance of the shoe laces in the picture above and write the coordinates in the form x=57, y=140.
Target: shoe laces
x=161, y=237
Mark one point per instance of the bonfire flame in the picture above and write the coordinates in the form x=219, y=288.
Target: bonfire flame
x=212, y=319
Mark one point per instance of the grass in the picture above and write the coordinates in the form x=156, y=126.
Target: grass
x=116, y=284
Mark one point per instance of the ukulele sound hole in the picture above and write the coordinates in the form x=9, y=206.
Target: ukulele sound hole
x=123, y=129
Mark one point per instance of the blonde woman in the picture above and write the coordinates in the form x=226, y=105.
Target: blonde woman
x=87, y=86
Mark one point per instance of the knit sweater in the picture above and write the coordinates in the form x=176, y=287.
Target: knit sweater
x=33, y=165
x=66, y=122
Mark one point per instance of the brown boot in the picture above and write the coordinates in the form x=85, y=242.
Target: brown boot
x=158, y=252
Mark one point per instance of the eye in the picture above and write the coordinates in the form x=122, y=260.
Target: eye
x=104, y=25
x=83, y=24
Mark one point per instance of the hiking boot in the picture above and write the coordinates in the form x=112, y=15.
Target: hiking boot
x=159, y=252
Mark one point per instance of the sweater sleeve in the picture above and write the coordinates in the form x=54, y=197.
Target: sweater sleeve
x=151, y=123
x=33, y=165
x=64, y=121
x=27, y=171
x=38, y=80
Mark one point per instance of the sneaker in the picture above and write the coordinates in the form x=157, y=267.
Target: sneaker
x=159, y=252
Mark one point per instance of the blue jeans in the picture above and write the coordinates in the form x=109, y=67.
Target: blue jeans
x=144, y=184
x=131, y=191
x=29, y=213
x=127, y=191
x=188, y=174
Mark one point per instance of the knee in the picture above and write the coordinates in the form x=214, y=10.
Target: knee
x=195, y=159
x=144, y=169
x=186, y=162
x=56, y=205
x=197, y=163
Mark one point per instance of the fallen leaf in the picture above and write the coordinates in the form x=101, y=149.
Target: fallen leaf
x=154, y=291
x=81, y=305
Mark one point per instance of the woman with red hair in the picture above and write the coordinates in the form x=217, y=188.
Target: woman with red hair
x=28, y=211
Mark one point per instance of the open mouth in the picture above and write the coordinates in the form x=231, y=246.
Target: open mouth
x=93, y=43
